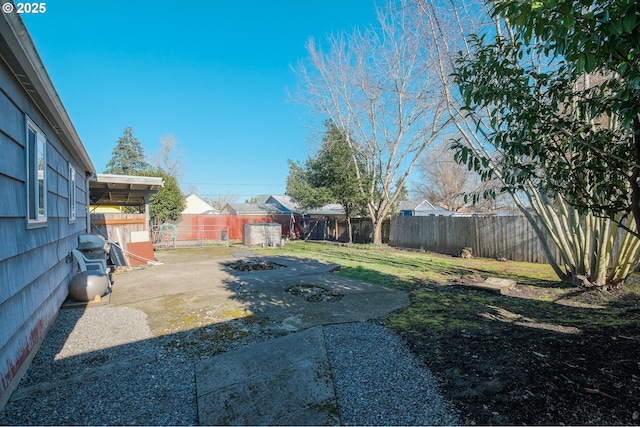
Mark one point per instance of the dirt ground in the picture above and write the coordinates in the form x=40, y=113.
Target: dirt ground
x=542, y=354
x=507, y=365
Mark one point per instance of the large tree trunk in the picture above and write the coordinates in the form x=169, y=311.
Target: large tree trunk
x=377, y=231
x=635, y=175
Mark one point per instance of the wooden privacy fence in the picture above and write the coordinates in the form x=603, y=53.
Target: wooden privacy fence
x=117, y=227
x=511, y=237
x=333, y=229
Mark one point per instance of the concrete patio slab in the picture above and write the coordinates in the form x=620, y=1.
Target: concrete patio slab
x=286, y=381
x=357, y=301
x=163, y=291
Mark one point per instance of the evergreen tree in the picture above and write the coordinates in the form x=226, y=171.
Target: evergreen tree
x=128, y=157
x=330, y=177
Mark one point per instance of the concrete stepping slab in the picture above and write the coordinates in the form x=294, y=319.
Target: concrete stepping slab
x=493, y=284
x=285, y=381
x=359, y=301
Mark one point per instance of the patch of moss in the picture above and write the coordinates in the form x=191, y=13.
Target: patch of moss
x=329, y=407
x=237, y=313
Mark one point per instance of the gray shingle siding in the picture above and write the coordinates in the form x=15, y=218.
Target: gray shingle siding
x=34, y=270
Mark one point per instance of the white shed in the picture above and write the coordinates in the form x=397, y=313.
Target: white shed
x=261, y=234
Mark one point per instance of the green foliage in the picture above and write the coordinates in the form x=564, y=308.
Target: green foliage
x=593, y=36
x=567, y=131
x=169, y=202
x=128, y=156
x=330, y=177
x=300, y=189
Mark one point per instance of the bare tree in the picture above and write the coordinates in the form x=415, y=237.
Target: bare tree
x=379, y=86
x=219, y=201
x=168, y=159
x=444, y=181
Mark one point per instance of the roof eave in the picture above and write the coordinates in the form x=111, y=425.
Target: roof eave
x=32, y=75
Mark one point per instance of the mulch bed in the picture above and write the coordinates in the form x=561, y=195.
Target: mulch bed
x=313, y=293
x=515, y=370
x=253, y=265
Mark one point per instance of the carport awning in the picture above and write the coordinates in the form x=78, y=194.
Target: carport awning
x=122, y=190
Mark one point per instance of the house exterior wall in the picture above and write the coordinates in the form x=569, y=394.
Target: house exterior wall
x=196, y=206
x=35, y=267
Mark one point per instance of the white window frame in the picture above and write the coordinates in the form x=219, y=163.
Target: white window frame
x=72, y=193
x=36, y=149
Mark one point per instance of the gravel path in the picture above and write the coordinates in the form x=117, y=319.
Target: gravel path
x=102, y=366
x=107, y=372
x=378, y=380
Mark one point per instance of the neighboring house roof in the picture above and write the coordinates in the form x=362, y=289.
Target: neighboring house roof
x=284, y=203
x=196, y=205
x=122, y=190
x=329, y=209
x=420, y=207
x=287, y=205
x=260, y=198
x=27, y=66
x=407, y=205
x=251, y=209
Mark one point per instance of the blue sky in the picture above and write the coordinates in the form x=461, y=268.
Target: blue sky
x=212, y=73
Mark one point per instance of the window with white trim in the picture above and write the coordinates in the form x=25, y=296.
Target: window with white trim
x=72, y=193
x=36, y=174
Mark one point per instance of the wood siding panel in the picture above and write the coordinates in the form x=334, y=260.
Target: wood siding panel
x=15, y=98
x=13, y=198
x=13, y=125
x=10, y=149
x=28, y=266
x=10, y=246
x=23, y=343
x=16, y=310
x=34, y=267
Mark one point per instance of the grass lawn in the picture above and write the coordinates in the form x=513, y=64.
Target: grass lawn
x=403, y=267
x=543, y=353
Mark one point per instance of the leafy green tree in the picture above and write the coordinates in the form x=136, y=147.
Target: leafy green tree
x=169, y=202
x=575, y=110
x=300, y=189
x=557, y=136
x=330, y=177
x=128, y=156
